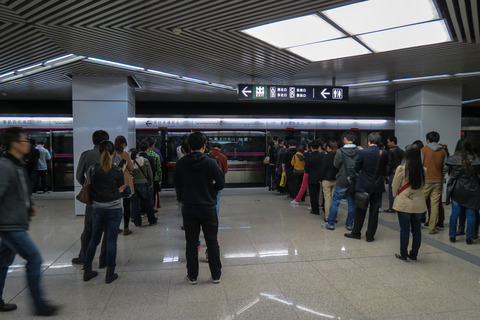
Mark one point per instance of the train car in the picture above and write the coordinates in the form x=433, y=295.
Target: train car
x=244, y=140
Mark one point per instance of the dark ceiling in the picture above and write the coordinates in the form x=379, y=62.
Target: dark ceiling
x=211, y=47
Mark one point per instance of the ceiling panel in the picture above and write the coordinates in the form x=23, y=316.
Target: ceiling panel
x=207, y=44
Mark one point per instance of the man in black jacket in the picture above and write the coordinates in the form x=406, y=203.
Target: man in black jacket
x=371, y=182
x=313, y=165
x=87, y=159
x=288, y=168
x=396, y=156
x=197, y=180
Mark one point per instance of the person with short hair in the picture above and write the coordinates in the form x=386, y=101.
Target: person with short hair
x=327, y=175
x=368, y=182
x=87, y=159
x=287, y=167
x=42, y=165
x=344, y=161
x=434, y=156
x=16, y=211
x=396, y=156
x=197, y=179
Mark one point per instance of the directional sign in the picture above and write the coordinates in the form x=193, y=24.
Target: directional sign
x=292, y=93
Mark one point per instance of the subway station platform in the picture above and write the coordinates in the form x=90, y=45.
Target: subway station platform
x=278, y=263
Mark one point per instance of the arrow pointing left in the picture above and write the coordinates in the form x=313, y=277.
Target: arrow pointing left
x=148, y=123
x=324, y=93
x=245, y=91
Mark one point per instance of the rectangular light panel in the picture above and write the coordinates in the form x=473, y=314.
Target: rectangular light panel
x=296, y=31
x=339, y=48
x=376, y=15
x=407, y=37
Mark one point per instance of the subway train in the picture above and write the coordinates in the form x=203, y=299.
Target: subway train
x=244, y=140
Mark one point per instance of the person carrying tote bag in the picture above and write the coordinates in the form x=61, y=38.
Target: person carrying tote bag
x=409, y=202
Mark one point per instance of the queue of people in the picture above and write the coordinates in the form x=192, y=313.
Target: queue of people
x=414, y=178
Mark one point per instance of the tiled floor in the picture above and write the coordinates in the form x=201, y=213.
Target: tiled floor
x=278, y=264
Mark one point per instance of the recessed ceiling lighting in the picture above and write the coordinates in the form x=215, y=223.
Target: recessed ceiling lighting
x=374, y=15
x=407, y=37
x=339, y=48
x=296, y=31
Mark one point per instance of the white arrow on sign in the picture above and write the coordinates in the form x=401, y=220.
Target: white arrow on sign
x=245, y=91
x=324, y=93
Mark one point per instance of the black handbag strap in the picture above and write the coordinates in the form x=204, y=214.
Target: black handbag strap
x=376, y=171
x=135, y=160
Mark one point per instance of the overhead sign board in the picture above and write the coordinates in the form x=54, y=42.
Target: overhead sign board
x=291, y=93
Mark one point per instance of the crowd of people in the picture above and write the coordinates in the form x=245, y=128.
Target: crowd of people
x=126, y=184
x=414, y=176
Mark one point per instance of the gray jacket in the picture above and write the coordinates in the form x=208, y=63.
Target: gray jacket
x=87, y=159
x=347, y=154
x=15, y=202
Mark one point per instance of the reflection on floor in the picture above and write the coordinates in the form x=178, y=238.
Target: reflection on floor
x=278, y=264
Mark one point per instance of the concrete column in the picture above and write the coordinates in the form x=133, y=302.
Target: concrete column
x=100, y=102
x=428, y=107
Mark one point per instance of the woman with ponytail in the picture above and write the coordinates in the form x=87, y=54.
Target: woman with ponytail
x=107, y=183
x=409, y=201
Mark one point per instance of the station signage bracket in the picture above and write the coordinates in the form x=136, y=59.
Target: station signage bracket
x=292, y=93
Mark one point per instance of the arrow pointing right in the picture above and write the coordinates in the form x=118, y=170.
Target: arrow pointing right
x=245, y=91
x=324, y=93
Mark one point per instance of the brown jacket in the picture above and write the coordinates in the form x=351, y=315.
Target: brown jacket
x=434, y=160
x=409, y=201
x=221, y=160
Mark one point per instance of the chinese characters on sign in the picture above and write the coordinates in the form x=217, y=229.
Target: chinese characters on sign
x=301, y=93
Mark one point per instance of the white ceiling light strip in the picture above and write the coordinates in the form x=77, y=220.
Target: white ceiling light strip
x=159, y=73
x=39, y=67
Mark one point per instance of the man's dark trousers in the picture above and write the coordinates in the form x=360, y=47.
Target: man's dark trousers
x=206, y=217
x=314, y=190
x=374, y=206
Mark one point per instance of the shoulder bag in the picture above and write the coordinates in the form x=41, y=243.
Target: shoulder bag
x=363, y=198
x=85, y=194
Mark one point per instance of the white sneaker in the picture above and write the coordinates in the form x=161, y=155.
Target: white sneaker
x=309, y=208
x=294, y=202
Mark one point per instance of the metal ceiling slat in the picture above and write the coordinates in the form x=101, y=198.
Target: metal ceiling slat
x=453, y=17
x=476, y=24
x=466, y=27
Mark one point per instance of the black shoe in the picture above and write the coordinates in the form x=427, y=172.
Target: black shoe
x=192, y=281
x=370, y=239
x=352, y=236
x=461, y=232
x=469, y=241
x=77, y=261
x=46, y=310
x=412, y=257
x=5, y=307
x=390, y=211
x=439, y=226
x=399, y=256
x=453, y=239
x=326, y=220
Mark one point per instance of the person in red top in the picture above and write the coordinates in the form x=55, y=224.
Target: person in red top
x=221, y=159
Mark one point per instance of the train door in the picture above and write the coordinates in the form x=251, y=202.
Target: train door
x=173, y=140
x=159, y=138
x=44, y=136
x=62, y=160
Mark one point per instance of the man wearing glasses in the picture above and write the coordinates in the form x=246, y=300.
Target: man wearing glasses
x=16, y=209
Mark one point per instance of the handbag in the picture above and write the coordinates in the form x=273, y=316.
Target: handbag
x=85, y=194
x=266, y=160
x=362, y=199
x=283, y=180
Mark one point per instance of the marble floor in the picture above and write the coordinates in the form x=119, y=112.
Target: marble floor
x=277, y=264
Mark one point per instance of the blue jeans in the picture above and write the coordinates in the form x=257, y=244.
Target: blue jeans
x=219, y=193
x=108, y=221
x=142, y=198
x=19, y=242
x=470, y=213
x=340, y=193
x=390, y=193
x=410, y=222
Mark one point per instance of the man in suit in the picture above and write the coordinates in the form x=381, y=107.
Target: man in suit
x=366, y=164
x=313, y=165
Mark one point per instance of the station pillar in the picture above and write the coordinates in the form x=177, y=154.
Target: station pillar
x=100, y=102
x=428, y=107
